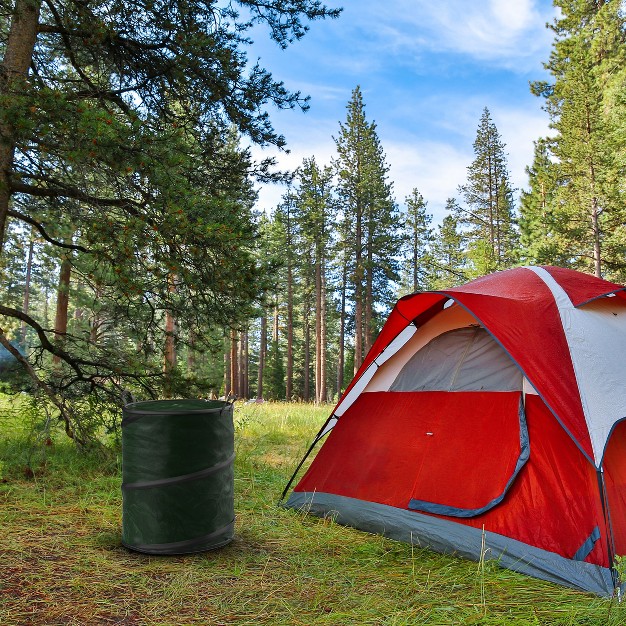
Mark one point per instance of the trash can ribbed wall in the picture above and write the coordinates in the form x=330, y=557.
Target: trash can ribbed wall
x=178, y=483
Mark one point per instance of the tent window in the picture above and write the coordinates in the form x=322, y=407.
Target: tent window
x=464, y=359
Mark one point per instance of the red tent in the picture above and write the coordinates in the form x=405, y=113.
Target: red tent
x=492, y=411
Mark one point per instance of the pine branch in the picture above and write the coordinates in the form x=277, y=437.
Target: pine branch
x=66, y=413
x=44, y=234
x=71, y=192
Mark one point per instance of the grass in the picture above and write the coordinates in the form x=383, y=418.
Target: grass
x=61, y=561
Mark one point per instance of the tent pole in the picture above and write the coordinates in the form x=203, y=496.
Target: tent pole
x=305, y=457
x=609, y=526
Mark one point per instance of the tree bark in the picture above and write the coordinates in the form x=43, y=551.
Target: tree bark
x=306, y=391
x=342, y=329
x=595, y=227
x=234, y=365
x=169, y=361
x=191, y=353
x=13, y=72
x=369, y=289
x=95, y=323
x=262, y=353
x=63, y=297
x=318, y=326
x=26, y=302
x=322, y=351
x=243, y=364
x=289, y=385
x=227, y=378
x=358, y=295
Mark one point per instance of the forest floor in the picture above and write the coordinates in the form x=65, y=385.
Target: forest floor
x=61, y=560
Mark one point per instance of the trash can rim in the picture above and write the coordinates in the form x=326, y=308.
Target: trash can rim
x=131, y=408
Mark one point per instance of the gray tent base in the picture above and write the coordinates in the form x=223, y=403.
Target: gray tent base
x=451, y=538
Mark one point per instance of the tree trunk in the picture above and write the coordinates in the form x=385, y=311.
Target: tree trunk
x=169, y=360
x=234, y=365
x=227, y=378
x=46, y=308
x=595, y=226
x=369, y=289
x=595, y=217
x=95, y=322
x=63, y=298
x=26, y=302
x=322, y=351
x=169, y=352
x=14, y=69
x=262, y=353
x=289, y=385
x=318, y=327
x=414, y=260
x=243, y=364
x=358, y=296
x=342, y=329
x=191, y=353
x=306, y=392
x=247, y=362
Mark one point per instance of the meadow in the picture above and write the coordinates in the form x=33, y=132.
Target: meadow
x=62, y=563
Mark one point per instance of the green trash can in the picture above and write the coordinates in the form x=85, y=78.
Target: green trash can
x=177, y=476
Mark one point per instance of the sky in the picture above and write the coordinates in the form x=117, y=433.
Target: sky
x=426, y=70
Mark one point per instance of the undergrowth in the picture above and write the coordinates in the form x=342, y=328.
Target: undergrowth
x=62, y=561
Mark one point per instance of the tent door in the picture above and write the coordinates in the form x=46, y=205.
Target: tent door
x=477, y=443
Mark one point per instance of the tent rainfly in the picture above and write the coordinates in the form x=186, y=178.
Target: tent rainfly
x=495, y=410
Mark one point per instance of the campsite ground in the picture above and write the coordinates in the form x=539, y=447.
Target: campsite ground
x=61, y=561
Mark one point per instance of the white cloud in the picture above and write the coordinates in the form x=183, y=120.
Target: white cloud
x=426, y=120
x=304, y=146
x=519, y=129
x=438, y=166
x=435, y=169
x=506, y=33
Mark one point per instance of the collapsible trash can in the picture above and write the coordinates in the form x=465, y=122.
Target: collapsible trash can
x=177, y=468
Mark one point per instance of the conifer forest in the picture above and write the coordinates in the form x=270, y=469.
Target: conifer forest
x=137, y=263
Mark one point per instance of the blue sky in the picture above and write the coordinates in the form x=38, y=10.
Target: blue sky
x=426, y=70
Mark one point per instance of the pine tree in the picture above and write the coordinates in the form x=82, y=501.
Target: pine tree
x=417, y=272
x=448, y=251
x=314, y=211
x=540, y=239
x=277, y=236
x=368, y=223
x=123, y=121
x=488, y=214
x=586, y=63
x=105, y=71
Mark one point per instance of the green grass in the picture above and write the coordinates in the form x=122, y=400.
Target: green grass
x=61, y=561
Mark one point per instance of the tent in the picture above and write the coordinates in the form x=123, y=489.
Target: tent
x=489, y=420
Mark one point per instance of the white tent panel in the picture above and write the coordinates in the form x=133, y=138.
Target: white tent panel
x=386, y=354
x=328, y=427
x=527, y=388
x=396, y=344
x=596, y=336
